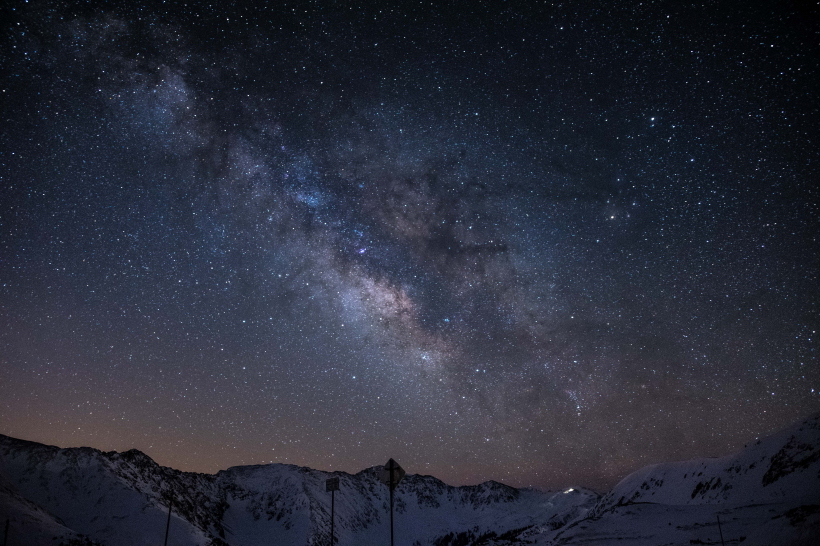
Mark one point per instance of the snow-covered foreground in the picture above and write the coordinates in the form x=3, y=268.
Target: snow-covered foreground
x=769, y=493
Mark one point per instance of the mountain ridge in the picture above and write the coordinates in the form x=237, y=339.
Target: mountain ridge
x=83, y=495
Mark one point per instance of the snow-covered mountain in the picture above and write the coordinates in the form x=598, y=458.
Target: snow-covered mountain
x=53, y=495
x=769, y=493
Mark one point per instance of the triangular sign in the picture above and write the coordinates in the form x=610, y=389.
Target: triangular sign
x=391, y=474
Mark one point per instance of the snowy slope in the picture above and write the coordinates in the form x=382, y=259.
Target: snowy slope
x=769, y=493
x=101, y=495
x=781, y=466
x=30, y=523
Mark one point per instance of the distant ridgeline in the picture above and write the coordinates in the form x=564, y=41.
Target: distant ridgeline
x=769, y=493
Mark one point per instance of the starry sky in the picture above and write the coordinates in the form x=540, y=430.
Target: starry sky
x=541, y=243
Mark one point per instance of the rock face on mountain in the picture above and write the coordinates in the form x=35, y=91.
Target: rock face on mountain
x=769, y=493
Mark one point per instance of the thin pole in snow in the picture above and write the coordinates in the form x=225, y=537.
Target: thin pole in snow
x=332, y=513
x=720, y=531
x=332, y=485
x=168, y=525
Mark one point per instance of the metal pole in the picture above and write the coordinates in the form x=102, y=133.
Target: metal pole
x=332, y=513
x=168, y=525
x=720, y=531
x=392, y=486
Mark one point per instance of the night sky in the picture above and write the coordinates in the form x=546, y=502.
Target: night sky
x=541, y=243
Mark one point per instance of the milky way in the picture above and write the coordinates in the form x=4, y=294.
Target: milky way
x=541, y=245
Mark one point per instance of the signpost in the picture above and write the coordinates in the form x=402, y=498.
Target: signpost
x=332, y=485
x=390, y=476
